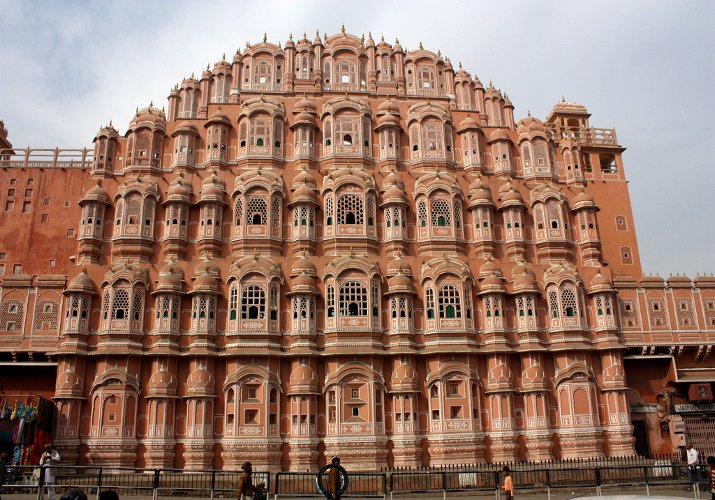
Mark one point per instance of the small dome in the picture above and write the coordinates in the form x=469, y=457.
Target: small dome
x=388, y=120
x=583, y=200
x=393, y=194
x=185, y=128
x=468, y=123
x=108, y=131
x=523, y=281
x=303, y=380
x=399, y=283
x=204, y=282
x=162, y=382
x=218, y=117
x=404, y=379
x=303, y=265
x=389, y=106
x=149, y=116
x=392, y=179
x=304, y=105
x=600, y=283
x=81, y=283
x=530, y=125
x=499, y=377
x=489, y=268
x=212, y=189
x=509, y=196
x=533, y=377
x=95, y=194
x=200, y=382
x=499, y=134
x=398, y=265
x=304, y=177
x=614, y=375
x=178, y=191
x=303, y=194
x=170, y=279
x=69, y=382
x=479, y=194
x=303, y=284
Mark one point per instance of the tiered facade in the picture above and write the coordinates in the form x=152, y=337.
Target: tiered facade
x=337, y=247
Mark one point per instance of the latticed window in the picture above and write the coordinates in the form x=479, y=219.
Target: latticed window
x=137, y=304
x=552, y=213
x=684, y=312
x=11, y=315
x=233, y=302
x=554, y=304
x=238, y=212
x=345, y=72
x=274, y=303
x=599, y=305
x=72, y=307
x=429, y=301
x=330, y=300
x=432, y=137
x=46, y=315
x=526, y=155
x=450, y=304
x=329, y=211
x=120, y=304
x=425, y=77
x=105, y=305
x=260, y=131
x=253, y=302
x=162, y=307
x=530, y=310
x=353, y=299
x=497, y=306
x=276, y=213
x=347, y=130
x=657, y=312
x=457, y=214
x=242, y=134
x=422, y=213
x=277, y=133
x=256, y=212
x=262, y=72
x=540, y=153
x=350, y=209
x=375, y=300
x=568, y=302
x=441, y=215
x=370, y=211
x=134, y=209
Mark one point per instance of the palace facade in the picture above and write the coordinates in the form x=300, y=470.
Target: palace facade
x=341, y=247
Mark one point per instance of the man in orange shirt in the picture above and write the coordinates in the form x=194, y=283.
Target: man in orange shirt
x=508, y=484
x=334, y=482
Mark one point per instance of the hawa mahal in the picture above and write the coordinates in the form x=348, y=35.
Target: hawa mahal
x=341, y=247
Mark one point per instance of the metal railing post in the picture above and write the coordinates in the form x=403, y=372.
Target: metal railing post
x=444, y=485
x=213, y=483
x=99, y=482
x=645, y=478
x=40, y=482
x=598, y=480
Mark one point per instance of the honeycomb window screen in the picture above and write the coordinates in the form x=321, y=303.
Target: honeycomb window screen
x=457, y=214
x=106, y=304
x=46, y=315
x=684, y=312
x=260, y=132
x=441, y=216
x=432, y=139
x=345, y=72
x=554, y=216
x=11, y=313
x=449, y=301
x=256, y=212
x=238, y=212
x=137, y=304
x=353, y=299
x=569, y=307
x=253, y=302
x=347, y=131
x=276, y=213
x=554, y=304
x=120, y=304
x=350, y=209
x=370, y=211
x=656, y=311
x=526, y=155
x=422, y=213
x=329, y=211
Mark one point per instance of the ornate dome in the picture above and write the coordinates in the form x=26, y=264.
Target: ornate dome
x=303, y=265
x=509, y=196
x=499, y=134
x=533, y=377
x=303, y=283
x=96, y=194
x=468, y=123
x=583, y=200
x=398, y=265
x=212, y=189
x=600, y=283
x=179, y=191
x=218, y=117
x=162, y=382
x=399, y=283
x=303, y=380
x=614, y=375
x=185, y=128
x=200, y=382
x=499, y=378
x=149, y=116
x=479, y=194
x=404, y=379
x=170, y=279
x=69, y=383
x=81, y=283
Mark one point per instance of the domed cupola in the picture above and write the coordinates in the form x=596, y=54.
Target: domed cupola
x=176, y=206
x=394, y=205
x=211, y=204
x=303, y=293
x=482, y=207
x=145, y=140
x=400, y=291
x=589, y=240
x=512, y=207
x=303, y=204
x=106, y=148
x=91, y=233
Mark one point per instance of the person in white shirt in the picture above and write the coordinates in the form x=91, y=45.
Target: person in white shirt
x=693, y=458
x=49, y=458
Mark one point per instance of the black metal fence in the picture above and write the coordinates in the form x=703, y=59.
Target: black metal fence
x=486, y=478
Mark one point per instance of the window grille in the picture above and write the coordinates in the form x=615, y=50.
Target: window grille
x=350, y=209
x=253, y=302
x=276, y=213
x=120, y=304
x=441, y=215
x=256, y=212
x=450, y=305
x=353, y=299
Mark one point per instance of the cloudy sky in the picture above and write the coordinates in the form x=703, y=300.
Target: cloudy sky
x=644, y=67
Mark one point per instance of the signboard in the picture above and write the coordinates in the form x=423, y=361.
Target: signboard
x=644, y=408
x=694, y=408
x=700, y=392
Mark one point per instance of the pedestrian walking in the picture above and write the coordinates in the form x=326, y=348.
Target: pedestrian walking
x=334, y=482
x=508, y=486
x=245, y=482
x=693, y=458
x=50, y=458
x=711, y=486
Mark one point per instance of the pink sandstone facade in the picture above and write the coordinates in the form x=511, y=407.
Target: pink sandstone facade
x=342, y=247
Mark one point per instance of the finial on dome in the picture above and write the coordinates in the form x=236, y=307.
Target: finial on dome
x=421, y=47
x=439, y=53
x=84, y=269
x=290, y=37
x=265, y=37
x=325, y=37
x=528, y=113
x=397, y=40
x=192, y=75
x=342, y=29
x=223, y=57
x=255, y=254
x=137, y=110
x=382, y=38
x=279, y=45
x=151, y=105
x=110, y=122
x=460, y=64
x=362, y=38
x=563, y=99
x=352, y=253
x=259, y=171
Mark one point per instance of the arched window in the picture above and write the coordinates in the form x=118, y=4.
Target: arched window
x=233, y=303
x=350, y=209
x=353, y=299
x=257, y=212
x=422, y=213
x=120, y=304
x=253, y=302
x=568, y=302
x=330, y=301
x=450, y=304
x=432, y=136
x=441, y=214
x=429, y=301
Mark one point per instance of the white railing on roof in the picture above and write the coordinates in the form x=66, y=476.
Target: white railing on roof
x=46, y=158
